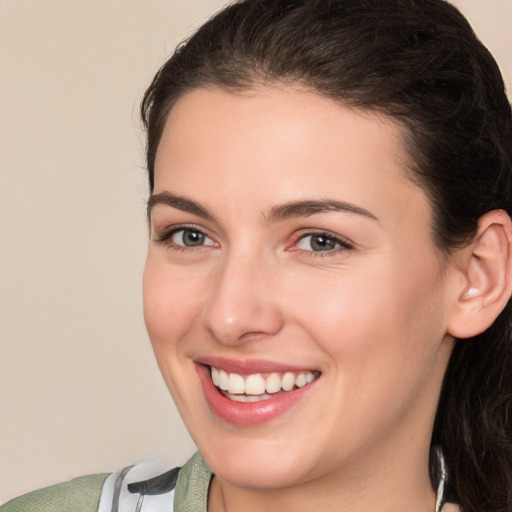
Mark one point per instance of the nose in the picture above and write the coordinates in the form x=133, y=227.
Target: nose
x=243, y=303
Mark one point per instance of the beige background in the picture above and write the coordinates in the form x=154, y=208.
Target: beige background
x=79, y=390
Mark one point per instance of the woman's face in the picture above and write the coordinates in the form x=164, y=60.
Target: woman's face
x=292, y=257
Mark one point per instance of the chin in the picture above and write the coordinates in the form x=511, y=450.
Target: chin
x=257, y=463
x=255, y=474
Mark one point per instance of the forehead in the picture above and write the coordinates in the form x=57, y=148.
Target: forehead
x=287, y=107
x=280, y=144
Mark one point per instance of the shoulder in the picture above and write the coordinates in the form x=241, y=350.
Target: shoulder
x=142, y=487
x=80, y=494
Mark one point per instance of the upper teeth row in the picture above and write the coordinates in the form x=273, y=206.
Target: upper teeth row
x=256, y=384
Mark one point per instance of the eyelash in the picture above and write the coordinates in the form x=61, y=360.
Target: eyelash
x=344, y=244
x=165, y=238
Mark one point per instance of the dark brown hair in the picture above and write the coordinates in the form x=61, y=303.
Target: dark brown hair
x=419, y=62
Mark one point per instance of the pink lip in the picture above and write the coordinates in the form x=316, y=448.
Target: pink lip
x=249, y=413
x=248, y=367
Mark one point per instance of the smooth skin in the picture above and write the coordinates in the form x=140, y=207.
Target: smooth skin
x=361, y=294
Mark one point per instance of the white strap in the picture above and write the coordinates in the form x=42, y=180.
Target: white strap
x=115, y=496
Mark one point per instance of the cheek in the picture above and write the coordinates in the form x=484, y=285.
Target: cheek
x=172, y=303
x=381, y=336
x=340, y=308
x=379, y=327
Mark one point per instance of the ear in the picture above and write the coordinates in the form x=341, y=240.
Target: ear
x=486, y=267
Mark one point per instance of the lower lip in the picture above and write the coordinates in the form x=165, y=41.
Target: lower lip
x=248, y=413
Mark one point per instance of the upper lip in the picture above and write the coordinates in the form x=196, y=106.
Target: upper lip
x=251, y=366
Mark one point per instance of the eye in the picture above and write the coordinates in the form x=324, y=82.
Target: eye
x=190, y=238
x=321, y=242
x=183, y=238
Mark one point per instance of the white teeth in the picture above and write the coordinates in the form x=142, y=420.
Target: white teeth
x=236, y=384
x=249, y=398
x=273, y=383
x=250, y=388
x=215, y=376
x=288, y=381
x=255, y=385
x=300, y=380
x=223, y=380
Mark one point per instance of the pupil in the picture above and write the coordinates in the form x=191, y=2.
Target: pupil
x=193, y=238
x=322, y=243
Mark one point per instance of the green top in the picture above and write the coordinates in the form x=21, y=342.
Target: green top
x=83, y=494
x=78, y=495
x=191, y=494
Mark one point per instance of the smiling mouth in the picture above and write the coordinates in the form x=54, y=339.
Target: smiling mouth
x=259, y=386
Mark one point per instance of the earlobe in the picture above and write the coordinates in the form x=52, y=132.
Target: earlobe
x=472, y=292
x=487, y=268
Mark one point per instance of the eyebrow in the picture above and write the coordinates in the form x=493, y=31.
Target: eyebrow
x=305, y=208
x=301, y=208
x=180, y=203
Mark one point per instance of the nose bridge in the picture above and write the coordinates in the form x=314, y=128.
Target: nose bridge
x=242, y=300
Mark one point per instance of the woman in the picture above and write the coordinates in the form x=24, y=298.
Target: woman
x=328, y=276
